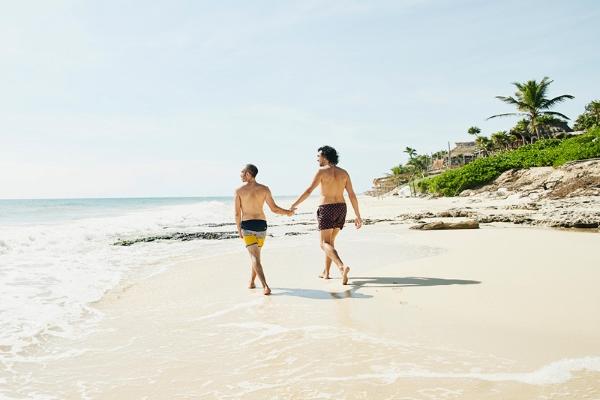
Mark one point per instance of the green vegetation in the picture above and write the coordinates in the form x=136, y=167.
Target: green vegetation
x=590, y=118
x=531, y=102
x=415, y=168
x=475, y=131
x=537, y=139
x=545, y=152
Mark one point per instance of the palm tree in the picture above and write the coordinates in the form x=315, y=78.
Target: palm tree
x=411, y=152
x=415, y=165
x=442, y=154
x=594, y=109
x=500, y=140
x=531, y=102
x=590, y=118
x=475, y=131
x=420, y=163
x=521, y=130
x=484, y=144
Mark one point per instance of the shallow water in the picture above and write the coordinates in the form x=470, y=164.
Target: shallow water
x=72, y=340
x=57, y=257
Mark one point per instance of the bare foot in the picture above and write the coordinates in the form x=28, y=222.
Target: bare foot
x=345, y=275
x=251, y=285
x=324, y=275
x=267, y=291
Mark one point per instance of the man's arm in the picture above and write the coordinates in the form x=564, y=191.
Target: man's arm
x=238, y=213
x=316, y=181
x=274, y=207
x=354, y=201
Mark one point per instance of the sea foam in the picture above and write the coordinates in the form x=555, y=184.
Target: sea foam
x=50, y=272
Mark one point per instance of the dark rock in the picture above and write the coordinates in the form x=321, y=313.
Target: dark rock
x=368, y=221
x=181, y=236
x=439, y=225
x=214, y=225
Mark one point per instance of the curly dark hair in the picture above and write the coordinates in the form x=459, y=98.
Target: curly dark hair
x=330, y=154
x=251, y=169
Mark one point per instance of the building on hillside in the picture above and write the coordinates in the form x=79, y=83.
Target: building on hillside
x=464, y=153
x=556, y=129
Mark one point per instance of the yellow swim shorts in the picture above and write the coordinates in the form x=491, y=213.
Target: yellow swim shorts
x=253, y=237
x=254, y=232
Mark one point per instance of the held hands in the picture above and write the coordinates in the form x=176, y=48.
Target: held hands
x=291, y=211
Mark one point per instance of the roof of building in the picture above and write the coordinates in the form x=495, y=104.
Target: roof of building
x=464, y=149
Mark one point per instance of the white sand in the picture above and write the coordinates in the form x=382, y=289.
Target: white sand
x=496, y=313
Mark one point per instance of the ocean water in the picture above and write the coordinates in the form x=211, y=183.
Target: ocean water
x=58, y=256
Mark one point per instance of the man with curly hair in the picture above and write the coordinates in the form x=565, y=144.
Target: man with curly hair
x=331, y=214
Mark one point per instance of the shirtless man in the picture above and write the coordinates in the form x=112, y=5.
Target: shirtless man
x=331, y=213
x=251, y=221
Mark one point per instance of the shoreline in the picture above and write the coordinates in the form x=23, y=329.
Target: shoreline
x=488, y=313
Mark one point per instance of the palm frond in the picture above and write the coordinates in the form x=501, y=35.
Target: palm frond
x=509, y=100
x=559, y=99
x=505, y=115
x=555, y=113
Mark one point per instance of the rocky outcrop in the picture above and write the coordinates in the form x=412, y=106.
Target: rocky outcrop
x=181, y=236
x=576, y=212
x=441, y=225
x=574, y=179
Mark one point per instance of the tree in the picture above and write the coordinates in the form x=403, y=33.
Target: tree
x=521, y=130
x=399, y=170
x=500, y=140
x=590, y=118
x=420, y=163
x=440, y=154
x=411, y=152
x=531, y=102
x=474, y=131
x=484, y=144
x=549, y=125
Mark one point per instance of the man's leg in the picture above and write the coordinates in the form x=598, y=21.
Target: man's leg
x=331, y=252
x=254, y=251
x=251, y=240
x=325, y=273
x=252, y=276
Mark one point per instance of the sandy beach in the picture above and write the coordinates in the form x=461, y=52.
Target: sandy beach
x=501, y=312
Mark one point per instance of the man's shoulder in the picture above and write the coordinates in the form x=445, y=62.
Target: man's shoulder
x=262, y=187
x=342, y=170
x=240, y=189
x=257, y=187
x=340, y=173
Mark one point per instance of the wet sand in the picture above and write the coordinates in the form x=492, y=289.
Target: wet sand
x=495, y=313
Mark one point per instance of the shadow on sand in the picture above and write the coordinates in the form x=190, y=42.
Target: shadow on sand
x=411, y=281
x=319, y=294
x=357, y=283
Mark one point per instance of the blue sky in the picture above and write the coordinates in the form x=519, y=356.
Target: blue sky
x=171, y=98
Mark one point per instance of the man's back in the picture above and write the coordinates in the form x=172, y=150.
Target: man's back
x=252, y=198
x=333, y=182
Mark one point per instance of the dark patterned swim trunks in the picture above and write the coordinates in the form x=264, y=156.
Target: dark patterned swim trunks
x=331, y=216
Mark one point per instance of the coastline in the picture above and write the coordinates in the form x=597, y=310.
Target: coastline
x=499, y=312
